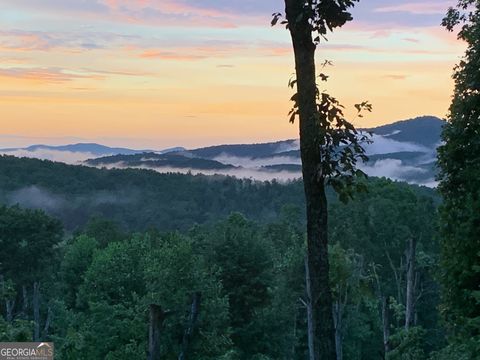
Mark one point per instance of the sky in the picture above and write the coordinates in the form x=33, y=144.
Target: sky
x=160, y=73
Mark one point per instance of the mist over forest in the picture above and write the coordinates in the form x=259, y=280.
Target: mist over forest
x=115, y=223
x=396, y=152
x=324, y=230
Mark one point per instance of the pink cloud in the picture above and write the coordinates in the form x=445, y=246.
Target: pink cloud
x=431, y=7
x=172, y=13
x=43, y=75
x=169, y=13
x=22, y=41
x=13, y=40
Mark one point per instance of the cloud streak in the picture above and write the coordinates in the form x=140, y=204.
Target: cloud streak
x=383, y=145
x=242, y=173
x=44, y=75
x=15, y=40
x=417, y=8
x=170, y=55
x=68, y=157
x=255, y=163
x=33, y=197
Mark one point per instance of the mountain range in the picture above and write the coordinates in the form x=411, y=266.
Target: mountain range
x=404, y=150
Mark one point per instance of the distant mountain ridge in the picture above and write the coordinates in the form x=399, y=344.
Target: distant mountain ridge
x=247, y=150
x=154, y=160
x=404, y=150
x=424, y=130
x=91, y=148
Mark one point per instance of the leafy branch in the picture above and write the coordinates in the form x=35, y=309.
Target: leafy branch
x=323, y=16
x=341, y=145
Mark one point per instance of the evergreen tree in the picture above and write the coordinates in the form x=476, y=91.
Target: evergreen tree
x=459, y=160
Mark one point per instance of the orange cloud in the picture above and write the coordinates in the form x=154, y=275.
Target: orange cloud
x=13, y=60
x=43, y=75
x=22, y=41
x=169, y=55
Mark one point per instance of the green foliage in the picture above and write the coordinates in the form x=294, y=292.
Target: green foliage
x=347, y=269
x=354, y=301
x=138, y=200
x=28, y=239
x=103, y=231
x=17, y=331
x=408, y=345
x=76, y=260
x=460, y=349
x=380, y=225
x=338, y=145
x=173, y=272
x=118, y=283
x=29, y=242
x=250, y=274
x=341, y=145
x=324, y=16
x=245, y=264
x=459, y=161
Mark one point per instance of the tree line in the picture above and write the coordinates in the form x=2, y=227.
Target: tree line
x=230, y=289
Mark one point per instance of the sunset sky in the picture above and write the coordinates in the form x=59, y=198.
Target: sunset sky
x=160, y=73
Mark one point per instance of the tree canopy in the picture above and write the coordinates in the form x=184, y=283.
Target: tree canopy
x=459, y=160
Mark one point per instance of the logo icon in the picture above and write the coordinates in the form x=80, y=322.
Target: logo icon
x=26, y=351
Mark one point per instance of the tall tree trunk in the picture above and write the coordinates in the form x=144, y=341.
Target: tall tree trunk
x=314, y=183
x=410, y=301
x=25, y=301
x=398, y=279
x=157, y=317
x=309, y=312
x=192, y=319
x=48, y=321
x=386, y=325
x=337, y=321
x=10, y=305
x=294, y=336
x=36, y=311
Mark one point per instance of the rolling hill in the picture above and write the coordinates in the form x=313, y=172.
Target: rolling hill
x=404, y=150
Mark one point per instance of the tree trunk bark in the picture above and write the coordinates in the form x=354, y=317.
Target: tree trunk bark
x=36, y=311
x=410, y=301
x=25, y=301
x=309, y=313
x=337, y=322
x=386, y=325
x=294, y=336
x=48, y=321
x=314, y=183
x=157, y=317
x=398, y=280
x=192, y=319
x=10, y=305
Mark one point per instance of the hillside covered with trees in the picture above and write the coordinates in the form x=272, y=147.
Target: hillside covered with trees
x=133, y=264
x=246, y=259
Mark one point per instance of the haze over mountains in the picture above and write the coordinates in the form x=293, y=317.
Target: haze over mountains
x=404, y=150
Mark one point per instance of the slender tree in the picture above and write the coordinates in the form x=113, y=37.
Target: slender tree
x=330, y=148
x=459, y=160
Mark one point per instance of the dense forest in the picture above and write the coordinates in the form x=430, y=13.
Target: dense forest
x=138, y=199
x=245, y=256
x=133, y=264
